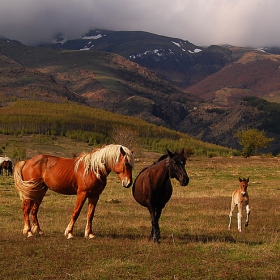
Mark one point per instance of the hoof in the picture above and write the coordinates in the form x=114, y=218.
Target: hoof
x=247, y=224
x=35, y=230
x=154, y=239
x=91, y=236
x=30, y=234
x=70, y=236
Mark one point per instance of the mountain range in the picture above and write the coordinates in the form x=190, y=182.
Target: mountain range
x=166, y=81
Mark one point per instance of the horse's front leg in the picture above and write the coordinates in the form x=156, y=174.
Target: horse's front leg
x=34, y=211
x=26, y=208
x=92, y=202
x=239, y=217
x=230, y=214
x=80, y=200
x=157, y=216
x=155, y=228
x=248, y=214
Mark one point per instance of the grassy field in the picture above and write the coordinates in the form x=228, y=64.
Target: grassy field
x=195, y=244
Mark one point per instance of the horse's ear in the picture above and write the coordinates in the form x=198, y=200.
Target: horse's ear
x=247, y=179
x=240, y=180
x=170, y=154
x=122, y=151
x=182, y=151
x=132, y=151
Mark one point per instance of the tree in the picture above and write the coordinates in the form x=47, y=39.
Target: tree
x=19, y=153
x=252, y=140
x=125, y=136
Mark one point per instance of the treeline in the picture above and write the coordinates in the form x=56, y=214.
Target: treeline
x=94, y=126
x=271, y=112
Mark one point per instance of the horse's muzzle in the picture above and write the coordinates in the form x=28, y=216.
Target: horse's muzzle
x=126, y=184
x=185, y=181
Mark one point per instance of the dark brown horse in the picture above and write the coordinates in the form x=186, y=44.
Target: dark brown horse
x=6, y=167
x=84, y=176
x=152, y=187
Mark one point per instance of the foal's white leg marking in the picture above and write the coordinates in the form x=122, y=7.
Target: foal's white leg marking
x=239, y=218
x=248, y=213
x=230, y=214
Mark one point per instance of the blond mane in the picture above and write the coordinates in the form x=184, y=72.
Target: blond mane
x=100, y=161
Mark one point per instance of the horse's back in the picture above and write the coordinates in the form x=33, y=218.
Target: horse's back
x=44, y=162
x=54, y=172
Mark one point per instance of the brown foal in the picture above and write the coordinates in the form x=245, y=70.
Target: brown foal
x=240, y=198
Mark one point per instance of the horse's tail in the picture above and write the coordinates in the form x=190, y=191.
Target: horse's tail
x=32, y=189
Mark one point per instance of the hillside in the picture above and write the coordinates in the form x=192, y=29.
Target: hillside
x=106, y=81
x=175, y=60
x=45, y=122
x=18, y=81
x=211, y=109
x=254, y=74
x=219, y=74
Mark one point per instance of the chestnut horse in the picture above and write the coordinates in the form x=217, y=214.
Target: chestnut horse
x=152, y=187
x=84, y=176
x=240, y=198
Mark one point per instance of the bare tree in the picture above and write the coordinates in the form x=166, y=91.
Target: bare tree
x=125, y=136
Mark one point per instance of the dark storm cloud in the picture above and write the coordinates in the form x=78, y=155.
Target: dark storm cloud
x=202, y=22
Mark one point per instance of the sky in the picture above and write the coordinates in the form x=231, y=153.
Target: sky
x=254, y=23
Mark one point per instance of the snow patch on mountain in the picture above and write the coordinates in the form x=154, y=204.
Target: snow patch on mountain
x=181, y=46
x=93, y=37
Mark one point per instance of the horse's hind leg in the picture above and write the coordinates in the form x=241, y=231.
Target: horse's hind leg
x=230, y=214
x=248, y=214
x=157, y=216
x=34, y=211
x=26, y=208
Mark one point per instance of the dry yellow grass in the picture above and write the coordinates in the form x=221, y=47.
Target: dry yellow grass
x=195, y=244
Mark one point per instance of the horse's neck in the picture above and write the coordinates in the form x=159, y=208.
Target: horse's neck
x=164, y=168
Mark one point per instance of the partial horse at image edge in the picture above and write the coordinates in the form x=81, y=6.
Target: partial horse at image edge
x=6, y=165
x=84, y=176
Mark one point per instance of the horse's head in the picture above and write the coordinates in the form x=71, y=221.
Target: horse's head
x=243, y=185
x=124, y=166
x=177, y=163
